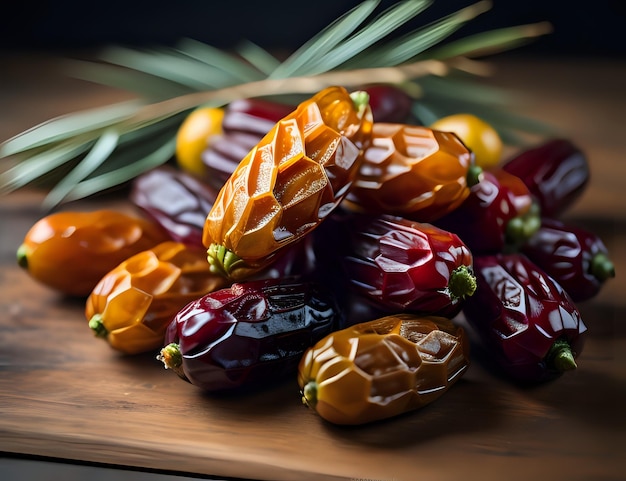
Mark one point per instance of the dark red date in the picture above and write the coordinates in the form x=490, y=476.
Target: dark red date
x=498, y=215
x=389, y=104
x=528, y=325
x=248, y=335
x=575, y=257
x=556, y=173
x=175, y=200
x=408, y=266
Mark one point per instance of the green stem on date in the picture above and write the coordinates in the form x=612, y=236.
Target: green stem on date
x=560, y=357
x=309, y=394
x=97, y=326
x=22, y=257
x=223, y=261
x=601, y=267
x=360, y=99
x=462, y=283
x=172, y=358
x=521, y=228
x=474, y=174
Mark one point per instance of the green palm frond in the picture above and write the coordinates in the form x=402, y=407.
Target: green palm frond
x=258, y=57
x=100, y=148
x=409, y=46
x=84, y=126
x=325, y=41
x=378, y=29
x=491, y=42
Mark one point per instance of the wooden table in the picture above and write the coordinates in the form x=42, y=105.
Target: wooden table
x=69, y=397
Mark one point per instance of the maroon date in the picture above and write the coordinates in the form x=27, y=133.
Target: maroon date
x=556, y=173
x=529, y=326
x=404, y=265
x=575, y=257
x=175, y=200
x=498, y=215
x=248, y=335
x=389, y=104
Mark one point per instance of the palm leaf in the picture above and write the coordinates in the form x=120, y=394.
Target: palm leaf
x=326, y=40
x=70, y=126
x=424, y=113
x=452, y=89
x=130, y=167
x=98, y=154
x=229, y=65
x=40, y=164
x=411, y=45
x=258, y=57
x=149, y=87
x=491, y=42
x=178, y=69
x=109, y=145
x=381, y=27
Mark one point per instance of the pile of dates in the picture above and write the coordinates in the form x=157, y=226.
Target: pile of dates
x=338, y=243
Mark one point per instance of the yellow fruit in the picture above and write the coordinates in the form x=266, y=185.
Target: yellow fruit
x=194, y=136
x=477, y=135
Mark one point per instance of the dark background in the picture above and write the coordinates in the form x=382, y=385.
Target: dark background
x=580, y=27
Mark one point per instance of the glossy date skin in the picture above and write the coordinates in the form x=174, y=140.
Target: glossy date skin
x=287, y=185
x=408, y=266
x=245, y=123
x=175, y=200
x=389, y=103
x=529, y=326
x=498, y=215
x=413, y=171
x=248, y=335
x=575, y=257
x=133, y=304
x=70, y=251
x=382, y=368
x=556, y=173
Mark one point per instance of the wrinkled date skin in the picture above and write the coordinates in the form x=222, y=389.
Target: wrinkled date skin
x=330, y=244
x=71, y=251
x=295, y=176
x=498, y=214
x=175, y=200
x=249, y=335
x=404, y=265
x=132, y=306
x=556, y=173
x=528, y=324
x=413, y=171
x=382, y=368
x=575, y=257
x=245, y=123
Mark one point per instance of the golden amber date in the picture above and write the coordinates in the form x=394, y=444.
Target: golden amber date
x=413, y=171
x=289, y=182
x=382, y=368
x=70, y=251
x=134, y=303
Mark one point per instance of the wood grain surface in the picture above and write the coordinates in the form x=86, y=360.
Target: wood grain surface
x=66, y=395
